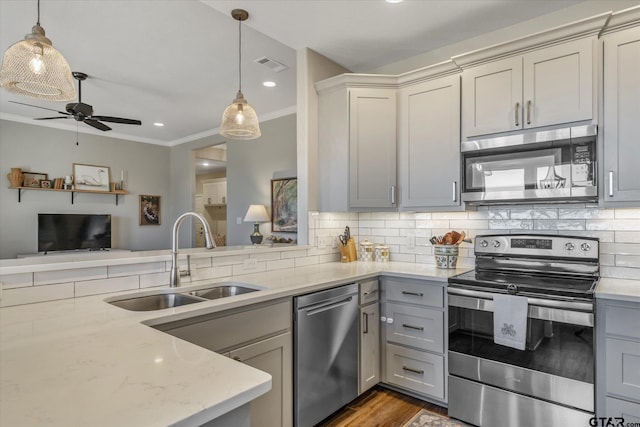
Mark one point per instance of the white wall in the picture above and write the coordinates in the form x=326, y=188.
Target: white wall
x=53, y=151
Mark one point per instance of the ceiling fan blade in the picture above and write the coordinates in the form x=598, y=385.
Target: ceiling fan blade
x=96, y=124
x=117, y=120
x=52, y=118
x=44, y=108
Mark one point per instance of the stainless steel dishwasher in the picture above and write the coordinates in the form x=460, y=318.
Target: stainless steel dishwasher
x=325, y=353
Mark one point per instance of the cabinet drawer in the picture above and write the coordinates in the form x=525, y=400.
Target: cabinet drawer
x=369, y=291
x=621, y=408
x=418, y=327
x=623, y=321
x=623, y=368
x=228, y=331
x=414, y=292
x=415, y=370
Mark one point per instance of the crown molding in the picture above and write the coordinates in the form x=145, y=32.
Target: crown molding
x=623, y=19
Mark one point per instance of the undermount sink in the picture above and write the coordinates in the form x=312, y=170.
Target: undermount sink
x=176, y=299
x=226, y=290
x=155, y=302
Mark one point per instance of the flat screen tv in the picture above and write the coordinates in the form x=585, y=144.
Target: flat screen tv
x=70, y=232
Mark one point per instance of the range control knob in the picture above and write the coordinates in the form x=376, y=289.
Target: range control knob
x=586, y=247
x=496, y=243
x=484, y=243
x=569, y=246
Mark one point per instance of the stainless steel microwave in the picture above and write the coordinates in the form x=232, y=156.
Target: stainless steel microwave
x=546, y=166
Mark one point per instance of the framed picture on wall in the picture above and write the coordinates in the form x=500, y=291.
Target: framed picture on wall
x=284, y=205
x=32, y=179
x=91, y=177
x=149, y=210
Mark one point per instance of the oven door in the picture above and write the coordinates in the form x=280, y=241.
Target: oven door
x=557, y=366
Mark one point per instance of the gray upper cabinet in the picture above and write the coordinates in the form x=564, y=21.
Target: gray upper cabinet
x=372, y=148
x=429, y=143
x=621, y=111
x=549, y=86
x=356, y=146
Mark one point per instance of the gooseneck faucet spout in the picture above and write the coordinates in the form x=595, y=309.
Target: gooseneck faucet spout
x=174, y=279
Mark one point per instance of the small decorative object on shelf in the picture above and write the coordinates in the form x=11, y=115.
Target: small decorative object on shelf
x=68, y=182
x=45, y=183
x=16, y=177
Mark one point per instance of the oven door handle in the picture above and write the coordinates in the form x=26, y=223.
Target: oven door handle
x=579, y=313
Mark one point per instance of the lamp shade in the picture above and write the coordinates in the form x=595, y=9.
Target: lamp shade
x=239, y=120
x=33, y=67
x=256, y=213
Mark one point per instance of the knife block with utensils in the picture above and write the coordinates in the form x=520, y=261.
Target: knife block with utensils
x=348, y=251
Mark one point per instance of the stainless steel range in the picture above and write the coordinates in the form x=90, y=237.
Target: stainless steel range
x=544, y=285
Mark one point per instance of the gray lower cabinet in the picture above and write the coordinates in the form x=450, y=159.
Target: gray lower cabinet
x=621, y=110
x=413, y=336
x=618, y=359
x=258, y=335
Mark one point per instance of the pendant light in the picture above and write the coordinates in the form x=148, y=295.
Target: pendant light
x=33, y=67
x=239, y=120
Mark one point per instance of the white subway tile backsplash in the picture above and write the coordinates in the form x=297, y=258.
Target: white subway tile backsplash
x=521, y=213
x=385, y=215
x=607, y=259
x=628, y=261
x=211, y=273
x=478, y=224
x=394, y=256
x=431, y=223
x=63, y=276
x=627, y=213
x=620, y=272
x=154, y=279
x=559, y=224
x=614, y=224
x=239, y=269
x=267, y=256
x=586, y=213
x=310, y=260
x=627, y=236
x=323, y=259
x=499, y=224
x=449, y=215
x=103, y=286
x=620, y=248
x=371, y=223
x=280, y=264
x=142, y=268
x=20, y=280
x=403, y=223
x=34, y=294
x=294, y=254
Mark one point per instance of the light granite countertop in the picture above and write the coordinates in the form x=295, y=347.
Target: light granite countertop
x=83, y=361
x=619, y=289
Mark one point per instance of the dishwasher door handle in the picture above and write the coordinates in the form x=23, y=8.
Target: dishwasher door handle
x=319, y=308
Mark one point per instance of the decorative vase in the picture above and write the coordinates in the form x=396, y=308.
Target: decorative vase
x=16, y=177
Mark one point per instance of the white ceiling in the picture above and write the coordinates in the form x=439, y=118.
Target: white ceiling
x=175, y=61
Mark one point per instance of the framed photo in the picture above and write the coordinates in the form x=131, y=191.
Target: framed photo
x=32, y=179
x=45, y=183
x=284, y=205
x=149, y=210
x=91, y=177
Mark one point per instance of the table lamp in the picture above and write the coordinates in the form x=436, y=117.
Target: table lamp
x=256, y=214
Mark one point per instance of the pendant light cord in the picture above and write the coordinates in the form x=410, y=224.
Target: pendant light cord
x=38, y=23
x=239, y=55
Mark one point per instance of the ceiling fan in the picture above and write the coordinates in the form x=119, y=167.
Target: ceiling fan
x=83, y=112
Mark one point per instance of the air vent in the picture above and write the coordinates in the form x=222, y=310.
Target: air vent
x=271, y=64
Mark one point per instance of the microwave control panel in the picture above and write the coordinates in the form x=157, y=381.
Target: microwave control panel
x=582, y=165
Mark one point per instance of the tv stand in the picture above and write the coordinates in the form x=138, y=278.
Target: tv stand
x=113, y=193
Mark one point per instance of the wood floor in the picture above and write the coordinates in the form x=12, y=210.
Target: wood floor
x=380, y=407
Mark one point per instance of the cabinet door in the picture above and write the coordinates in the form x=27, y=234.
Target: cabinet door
x=273, y=355
x=369, y=347
x=209, y=192
x=429, y=143
x=372, y=148
x=415, y=370
x=492, y=97
x=621, y=113
x=558, y=84
x=623, y=368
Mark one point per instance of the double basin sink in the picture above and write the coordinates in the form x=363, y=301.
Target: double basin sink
x=161, y=301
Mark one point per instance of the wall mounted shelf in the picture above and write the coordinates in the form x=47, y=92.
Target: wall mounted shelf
x=113, y=193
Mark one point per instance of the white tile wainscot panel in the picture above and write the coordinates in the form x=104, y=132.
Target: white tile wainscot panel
x=21, y=280
x=103, y=286
x=61, y=276
x=154, y=279
x=132, y=269
x=34, y=294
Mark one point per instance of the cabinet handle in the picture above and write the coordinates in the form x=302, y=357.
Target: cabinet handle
x=393, y=194
x=415, y=371
x=610, y=183
x=455, y=193
x=517, y=114
x=413, y=294
x=417, y=328
x=367, y=293
x=528, y=112
x=237, y=359
x=365, y=319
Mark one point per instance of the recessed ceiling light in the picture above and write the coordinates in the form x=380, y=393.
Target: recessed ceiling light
x=269, y=84
x=158, y=124
x=393, y=1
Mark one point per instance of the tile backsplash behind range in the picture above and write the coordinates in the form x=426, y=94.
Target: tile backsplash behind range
x=407, y=233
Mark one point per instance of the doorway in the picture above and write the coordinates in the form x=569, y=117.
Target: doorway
x=211, y=193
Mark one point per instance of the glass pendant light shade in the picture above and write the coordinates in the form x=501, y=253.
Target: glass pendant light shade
x=239, y=120
x=33, y=67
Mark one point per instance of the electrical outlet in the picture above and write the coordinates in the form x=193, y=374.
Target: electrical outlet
x=411, y=241
x=321, y=241
x=238, y=220
x=250, y=263
x=334, y=242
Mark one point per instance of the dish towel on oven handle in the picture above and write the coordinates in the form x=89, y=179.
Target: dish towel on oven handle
x=510, y=320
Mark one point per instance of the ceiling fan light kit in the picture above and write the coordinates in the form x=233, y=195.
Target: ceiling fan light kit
x=239, y=120
x=33, y=67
